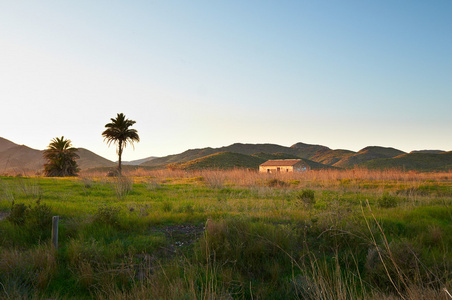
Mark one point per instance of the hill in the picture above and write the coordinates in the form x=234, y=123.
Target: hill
x=138, y=161
x=21, y=159
x=428, y=151
x=89, y=159
x=316, y=153
x=6, y=144
x=268, y=156
x=222, y=161
x=330, y=157
x=247, y=149
x=230, y=160
x=367, y=154
x=307, y=150
x=414, y=161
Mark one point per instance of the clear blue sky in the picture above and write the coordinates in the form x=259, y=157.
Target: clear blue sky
x=192, y=74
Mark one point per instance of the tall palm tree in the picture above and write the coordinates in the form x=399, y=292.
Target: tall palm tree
x=60, y=156
x=118, y=131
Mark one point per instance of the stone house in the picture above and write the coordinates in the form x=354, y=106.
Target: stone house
x=283, y=166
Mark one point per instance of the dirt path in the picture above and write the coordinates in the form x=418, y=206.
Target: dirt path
x=3, y=215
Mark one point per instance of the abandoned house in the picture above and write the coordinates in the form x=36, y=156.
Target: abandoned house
x=283, y=165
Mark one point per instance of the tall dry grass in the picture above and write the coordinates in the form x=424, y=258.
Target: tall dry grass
x=354, y=179
x=246, y=177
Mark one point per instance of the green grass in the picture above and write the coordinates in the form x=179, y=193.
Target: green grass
x=184, y=237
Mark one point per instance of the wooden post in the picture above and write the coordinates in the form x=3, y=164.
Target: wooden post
x=55, y=231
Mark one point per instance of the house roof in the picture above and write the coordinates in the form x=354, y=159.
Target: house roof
x=280, y=162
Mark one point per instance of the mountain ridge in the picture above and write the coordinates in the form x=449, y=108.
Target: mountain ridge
x=22, y=158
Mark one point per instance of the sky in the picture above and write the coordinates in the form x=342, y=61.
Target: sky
x=193, y=74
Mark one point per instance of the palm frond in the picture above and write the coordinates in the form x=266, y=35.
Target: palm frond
x=118, y=132
x=60, y=156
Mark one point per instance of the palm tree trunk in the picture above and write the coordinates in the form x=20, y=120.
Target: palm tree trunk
x=119, y=158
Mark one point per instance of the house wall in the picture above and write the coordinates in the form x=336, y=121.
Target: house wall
x=298, y=167
x=274, y=169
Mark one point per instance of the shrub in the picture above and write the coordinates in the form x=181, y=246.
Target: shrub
x=397, y=266
x=122, y=186
x=107, y=215
x=254, y=250
x=275, y=183
x=17, y=215
x=307, y=197
x=38, y=216
x=387, y=201
x=294, y=182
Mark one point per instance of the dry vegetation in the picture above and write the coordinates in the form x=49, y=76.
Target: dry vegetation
x=354, y=234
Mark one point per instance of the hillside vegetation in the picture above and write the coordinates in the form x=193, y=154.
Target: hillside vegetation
x=247, y=149
x=307, y=150
x=330, y=157
x=418, y=161
x=221, y=161
x=367, y=154
x=231, y=160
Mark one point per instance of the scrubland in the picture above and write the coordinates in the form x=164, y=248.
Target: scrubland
x=162, y=234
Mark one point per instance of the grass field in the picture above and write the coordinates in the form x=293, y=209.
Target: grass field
x=325, y=234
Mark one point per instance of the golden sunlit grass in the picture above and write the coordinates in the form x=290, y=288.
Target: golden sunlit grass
x=350, y=234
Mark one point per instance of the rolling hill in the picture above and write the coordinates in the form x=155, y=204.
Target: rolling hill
x=316, y=153
x=138, y=161
x=330, y=157
x=230, y=160
x=268, y=156
x=221, y=160
x=417, y=161
x=6, y=144
x=21, y=159
x=247, y=149
x=367, y=154
x=89, y=159
x=308, y=151
x=428, y=151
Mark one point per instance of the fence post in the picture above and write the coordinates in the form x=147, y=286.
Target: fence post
x=55, y=231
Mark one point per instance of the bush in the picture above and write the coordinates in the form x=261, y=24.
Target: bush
x=17, y=215
x=107, y=215
x=275, y=183
x=398, y=266
x=122, y=186
x=253, y=250
x=387, y=201
x=38, y=216
x=307, y=197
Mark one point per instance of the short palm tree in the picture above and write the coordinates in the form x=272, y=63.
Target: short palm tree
x=60, y=156
x=118, y=131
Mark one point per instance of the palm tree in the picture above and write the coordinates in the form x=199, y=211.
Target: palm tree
x=60, y=156
x=118, y=131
